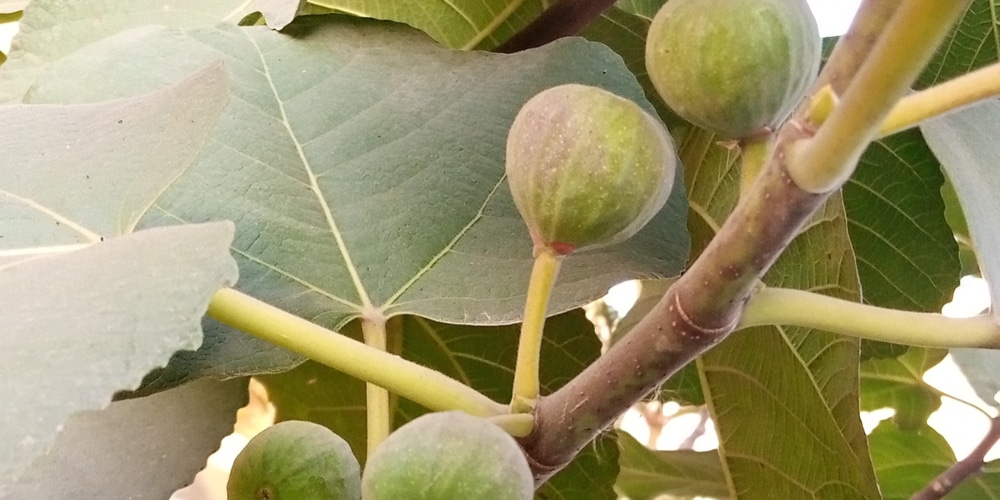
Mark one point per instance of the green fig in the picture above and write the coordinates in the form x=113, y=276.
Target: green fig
x=734, y=67
x=448, y=456
x=587, y=168
x=295, y=460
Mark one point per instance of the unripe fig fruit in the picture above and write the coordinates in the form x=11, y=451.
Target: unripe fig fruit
x=295, y=460
x=447, y=456
x=733, y=67
x=586, y=167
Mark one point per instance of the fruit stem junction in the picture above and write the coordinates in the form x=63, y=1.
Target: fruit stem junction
x=823, y=163
x=543, y=277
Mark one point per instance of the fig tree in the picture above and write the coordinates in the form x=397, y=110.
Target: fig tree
x=447, y=456
x=295, y=460
x=734, y=67
x=586, y=167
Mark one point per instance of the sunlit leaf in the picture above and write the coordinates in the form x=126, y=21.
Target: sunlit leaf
x=146, y=447
x=965, y=142
x=84, y=318
x=53, y=29
x=362, y=164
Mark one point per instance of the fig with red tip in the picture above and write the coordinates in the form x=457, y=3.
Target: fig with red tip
x=587, y=168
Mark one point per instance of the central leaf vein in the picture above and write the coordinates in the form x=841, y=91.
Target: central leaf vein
x=447, y=248
x=314, y=185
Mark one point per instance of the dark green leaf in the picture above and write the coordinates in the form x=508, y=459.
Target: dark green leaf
x=907, y=255
x=907, y=460
x=647, y=474
x=643, y=8
x=974, y=43
x=898, y=383
x=797, y=386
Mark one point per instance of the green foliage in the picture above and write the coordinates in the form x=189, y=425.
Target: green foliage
x=466, y=456
x=361, y=164
x=295, y=460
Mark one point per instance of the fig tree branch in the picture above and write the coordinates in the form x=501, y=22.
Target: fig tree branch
x=419, y=384
x=942, y=98
x=963, y=469
x=705, y=304
x=782, y=306
x=564, y=18
x=913, y=34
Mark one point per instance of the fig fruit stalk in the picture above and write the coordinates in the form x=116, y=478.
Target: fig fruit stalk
x=586, y=169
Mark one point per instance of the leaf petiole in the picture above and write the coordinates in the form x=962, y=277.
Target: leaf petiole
x=378, y=412
x=942, y=98
x=783, y=306
x=419, y=384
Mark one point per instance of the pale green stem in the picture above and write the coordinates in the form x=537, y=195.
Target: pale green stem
x=782, y=306
x=529, y=348
x=515, y=424
x=754, y=153
x=942, y=98
x=377, y=398
x=825, y=162
x=419, y=384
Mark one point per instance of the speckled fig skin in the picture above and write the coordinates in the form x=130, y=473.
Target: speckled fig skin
x=587, y=168
x=733, y=67
x=295, y=460
x=448, y=456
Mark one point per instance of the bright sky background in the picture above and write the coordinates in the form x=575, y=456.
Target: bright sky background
x=833, y=16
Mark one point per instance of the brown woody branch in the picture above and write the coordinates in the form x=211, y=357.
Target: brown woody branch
x=963, y=469
x=565, y=18
x=704, y=305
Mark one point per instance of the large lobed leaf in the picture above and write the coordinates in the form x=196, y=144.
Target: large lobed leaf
x=907, y=257
x=965, y=142
x=906, y=460
x=362, y=164
x=647, y=474
x=482, y=357
x=53, y=29
x=140, y=448
x=84, y=317
x=784, y=399
x=898, y=383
